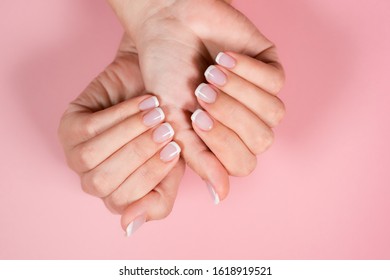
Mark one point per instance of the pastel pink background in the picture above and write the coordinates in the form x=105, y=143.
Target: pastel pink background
x=322, y=191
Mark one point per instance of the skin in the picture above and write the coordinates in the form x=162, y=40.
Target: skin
x=165, y=52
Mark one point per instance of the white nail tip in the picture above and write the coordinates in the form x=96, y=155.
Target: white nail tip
x=213, y=194
x=134, y=225
x=199, y=89
x=208, y=70
x=219, y=57
x=155, y=100
x=170, y=128
x=161, y=112
x=177, y=147
x=193, y=117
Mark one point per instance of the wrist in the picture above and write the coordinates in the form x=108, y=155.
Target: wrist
x=134, y=13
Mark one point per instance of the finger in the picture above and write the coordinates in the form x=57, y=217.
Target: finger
x=267, y=75
x=256, y=135
x=198, y=157
x=157, y=204
x=144, y=179
x=224, y=143
x=106, y=90
x=266, y=106
x=81, y=124
x=111, y=173
x=88, y=155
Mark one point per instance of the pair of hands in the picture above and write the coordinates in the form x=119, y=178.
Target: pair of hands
x=118, y=137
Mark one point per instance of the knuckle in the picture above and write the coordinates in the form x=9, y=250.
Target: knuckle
x=262, y=140
x=244, y=167
x=95, y=183
x=250, y=166
x=278, y=113
x=85, y=157
x=278, y=81
x=115, y=203
x=87, y=128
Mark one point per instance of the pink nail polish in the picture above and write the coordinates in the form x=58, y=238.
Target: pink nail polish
x=170, y=151
x=215, y=76
x=202, y=120
x=153, y=117
x=225, y=60
x=163, y=133
x=149, y=103
x=206, y=93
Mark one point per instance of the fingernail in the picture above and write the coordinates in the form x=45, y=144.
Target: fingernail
x=212, y=192
x=163, y=133
x=202, y=120
x=149, y=103
x=225, y=60
x=154, y=117
x=135, y=224
x=170, y=151
x=206, y=93
x=215, y=76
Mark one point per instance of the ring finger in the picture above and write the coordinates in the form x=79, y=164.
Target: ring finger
x=111, y=173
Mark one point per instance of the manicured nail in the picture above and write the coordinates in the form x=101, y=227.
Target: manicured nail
x=170, y=151
x=149, y=103
x=163, y=133
x=225, y=60
x=154, y=117
x=215, y=76
x=206, y=93
x=202, y=120
x=212, y=192
x=135, y=224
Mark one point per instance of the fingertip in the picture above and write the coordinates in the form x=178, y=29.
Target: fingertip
x=148, y=102
x=134, y=225
x=226, y=60
x=217, y=178
x=132, y=218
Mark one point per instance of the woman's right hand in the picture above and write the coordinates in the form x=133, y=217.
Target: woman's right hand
x=176, y=40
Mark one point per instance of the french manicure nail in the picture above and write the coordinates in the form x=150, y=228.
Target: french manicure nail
x=206, y=93
x=212, y=192
x=170, y=151
x=135, y=224
x=215, y=76
x=202, y=120
x=225, y=60
x=154, y=117
x=163, y=133
x=149, y=103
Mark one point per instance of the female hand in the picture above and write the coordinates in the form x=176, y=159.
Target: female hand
x=175, y=41
x=241, y=109
x=118, y=144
